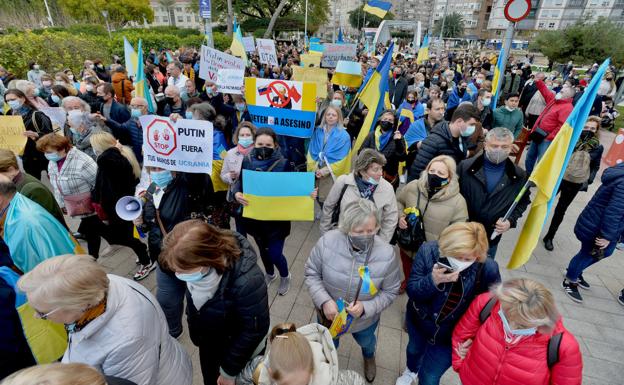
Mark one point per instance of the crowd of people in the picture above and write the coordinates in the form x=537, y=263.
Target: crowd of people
x=435, y=178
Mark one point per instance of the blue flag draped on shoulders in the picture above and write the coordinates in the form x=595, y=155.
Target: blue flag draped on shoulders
x=334, y=150
x=219, y=151
x=408, y=114
x=34, y=235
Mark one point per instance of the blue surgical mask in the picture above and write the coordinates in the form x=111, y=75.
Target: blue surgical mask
x=245, y=142
x=240, y=107
x=136, y=112
x=14, y=104
x=70, y=327
x=486, y=102
x=188, y=115
x=336, y=103
x=53, y=156
x=161, y=178
x=515, y=332
x=469, y=130
x=191, y=277
x=55, y=99
x=372, y=180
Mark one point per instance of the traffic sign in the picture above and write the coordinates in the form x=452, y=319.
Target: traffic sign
x=516, y=10
x=204, y=9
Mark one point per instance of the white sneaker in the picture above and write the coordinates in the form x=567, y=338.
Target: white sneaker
x=407, y=378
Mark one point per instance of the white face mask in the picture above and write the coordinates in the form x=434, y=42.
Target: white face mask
x=75, y=118
x=458, y=265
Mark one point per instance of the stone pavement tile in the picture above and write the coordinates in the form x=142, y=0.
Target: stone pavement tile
x=613, y=284
x=605, y=351
x=611, y=335
x=605, y=305
x=582, y=328
x=597, y=381
x=301, y=314
x=582, y=346
x=450, y=378
x=387, y=351
x=581, y=313
x=602, y=369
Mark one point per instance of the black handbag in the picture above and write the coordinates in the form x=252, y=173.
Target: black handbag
x=538, y=135
x=413, y=236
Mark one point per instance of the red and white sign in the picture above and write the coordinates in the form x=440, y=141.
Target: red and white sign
x=516, y=10
x=161, y=137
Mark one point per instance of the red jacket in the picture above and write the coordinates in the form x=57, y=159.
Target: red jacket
x=555, y=113
x=491, y=361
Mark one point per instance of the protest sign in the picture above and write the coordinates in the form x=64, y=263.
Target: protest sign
x=333, y=53
x=316, y=75
x=12, y=134
x=278, y=196
x=230, y=81
x=58, y=116
x=212, y=60
x=184, y=145
x=311, y=59
x=266, y=51
x=286, y=106
x=248, y=43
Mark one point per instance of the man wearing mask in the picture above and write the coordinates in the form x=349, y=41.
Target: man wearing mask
x=447, y=139
x=483, y=105
x=398, y=87
x=509, y=115
x=490, y=182
x=175, y=104
x=130, y=133
x=176, y=77
x=457, y=96
x=420, y=129
x=109, y=107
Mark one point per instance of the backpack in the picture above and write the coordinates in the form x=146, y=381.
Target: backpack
x=578, y=167
x=553, y=343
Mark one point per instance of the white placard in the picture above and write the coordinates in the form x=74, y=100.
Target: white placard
x=185, y=145
x=333, y=53
x=266, y=51
x=230, y=81
x=248, y=43
x=213, y=60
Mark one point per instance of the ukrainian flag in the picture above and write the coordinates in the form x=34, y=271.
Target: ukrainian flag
x=347, y=73
x=378, y=8
x=131, y=58
x=278, y=196
x=141, y=88
x=423, y=51
x=237, y=47
x=498, y=70
x=219, y=151
x=549, y=171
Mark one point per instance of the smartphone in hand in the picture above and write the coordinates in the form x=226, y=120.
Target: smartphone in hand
x=444, y=262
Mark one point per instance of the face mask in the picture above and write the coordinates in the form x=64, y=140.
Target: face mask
x=421, y=84
x=245, y=141
x=479, y=81
x=75, y=118
x=558, y=96
x=515, y=332
x=55, y=99
x=52, y=156
x=385, y=125
x=275, y=76
x=161, y=178
x=372, y=181
x=458, y=265
x=510, y=109
x=36, y=67
x=436, y=77
x=136, y=112
x=89, y=88
x=240, y=107
x=262, y=153
x=469, y=131
x=70, y=327
x=209, y=91
x=15, y=104
x=585, y=135
x=461, y=92
x=436, y=182
x=91, y=66
x=336, y=103
x=496, y=156
x=361, y=242
x=411, y=101
x=169, y=101
x=46, y=84
x=486, y=102
x=37, y=92
x=192, y=277
x=188, y=115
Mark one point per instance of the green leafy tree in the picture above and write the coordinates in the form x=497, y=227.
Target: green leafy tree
x=453, y=26
x=120, y=12
x=358, y=16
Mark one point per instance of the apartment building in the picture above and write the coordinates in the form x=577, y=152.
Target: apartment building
x=179, y=14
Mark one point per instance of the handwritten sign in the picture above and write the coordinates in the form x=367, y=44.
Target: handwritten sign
x=315, y=75
x=311, y=59
x=248, y=43
x=266, y=51
x=213, y=60
x=333, y=53
x=12, y=134
x=230, y=81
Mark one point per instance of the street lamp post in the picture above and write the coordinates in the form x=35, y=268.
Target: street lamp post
x=49, y=14
x=105, y=14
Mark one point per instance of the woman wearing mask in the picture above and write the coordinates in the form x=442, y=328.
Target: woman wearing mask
x=112, y=322
x=30, y=90
x=72, y=80
x=58, y=94
x=37, y=125
x=339, y=261
x=81, y=129
x=409, y=111
x=607, y=86
x=35, y=73
x=436, y=196
x=89, y=94
x=508, y=337
x=244, y=140
x=328, y=152
x=419, y=88
x=365, y=181
x=577, y=178
x=45, y=90
x=388, y=141
x=446, y=276
x=62, y=79
x=227, y=301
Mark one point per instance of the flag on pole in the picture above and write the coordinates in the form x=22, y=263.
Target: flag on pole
x=340, y=38
x=237, y=47
x=348, y=73
x=423, y=51
x=498, y=71
x=377, y=7
x=549, y=171
x=141, y=88
x=130, y=57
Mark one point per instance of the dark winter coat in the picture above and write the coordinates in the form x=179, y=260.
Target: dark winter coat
x=130, y=134
x=114, y=179
x=394, y=151
x=34, y=160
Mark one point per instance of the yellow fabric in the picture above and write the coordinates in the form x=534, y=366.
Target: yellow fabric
x=215, y=177
x=380, y=13
x=317, y=76
x=292, y=208
x=47, y=340
x=237, y=48
x=423, y=54
x=341, y=167
x=348, y=80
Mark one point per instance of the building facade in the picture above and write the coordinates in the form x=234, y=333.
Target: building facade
x=179, y=14
x=472, y=12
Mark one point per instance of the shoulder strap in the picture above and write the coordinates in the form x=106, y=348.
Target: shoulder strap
x=553, y=349
x=34, y=122
x=273, y=165
x=487, y=310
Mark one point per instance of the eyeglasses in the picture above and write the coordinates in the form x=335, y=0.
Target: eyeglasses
x=44, y=316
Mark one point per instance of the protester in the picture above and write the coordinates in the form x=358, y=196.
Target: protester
x=35, y=73
x=388, y=141
x=421, y=128
x=80, y=125
x=175, y=77
x=109, y=108
x=410, y=110
x=63, y=374
x=507, y=336
x=89, y=93
x=457, y=95
x=130, y=132
x=174, y=103
x=397, y=86
x=351, y=251
x=63, y=79
x=227, y=302
x=439, y=295
x=366, y=181
x=122, y=85
x=509, y=115
x=112, y=322
x=30, y=90
x=483, y=106
x=58, y=94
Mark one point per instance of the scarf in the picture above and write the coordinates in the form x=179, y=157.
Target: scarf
x=366, y=189
x=190, y=74
x=204, y=290
x=382, y=139
x=91, y=314
x=244, y=150
x=587, y=145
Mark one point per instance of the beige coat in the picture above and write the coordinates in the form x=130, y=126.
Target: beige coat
x=447, y=206
x=384, y=198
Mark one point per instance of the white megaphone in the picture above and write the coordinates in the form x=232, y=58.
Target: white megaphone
x=129, y=208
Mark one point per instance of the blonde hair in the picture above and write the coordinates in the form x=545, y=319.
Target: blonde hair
x=338, y=112
x=102, y=141
x=56, y=374
x=70, y=281
x=527, y=302
x=464, y=238
x=290, y=351
x=449, y=162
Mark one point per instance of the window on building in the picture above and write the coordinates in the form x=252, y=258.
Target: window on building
x=180, y=19
x=551, y=25
x=179, y=9
x=156, y=19
x=605, y=3
x=196, y=19
x=188, y=19
x=165, y=19
x=540, y=26
x=558, y=2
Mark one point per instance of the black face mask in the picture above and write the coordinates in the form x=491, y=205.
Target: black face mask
x=263, y=153
x=461, y=91
x=169, y=101
x=101, y=99
x=586, y=135
x=385, y=125
x=435, y=182
x=411, y=101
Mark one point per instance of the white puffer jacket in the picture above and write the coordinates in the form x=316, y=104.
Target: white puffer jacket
x=131, y=339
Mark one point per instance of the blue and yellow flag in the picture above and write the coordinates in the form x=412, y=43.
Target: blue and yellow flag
x=131, y=58
x=237, y=47
x=278, y=196
x=342, y=321
x=368, y=287
x=423, y=51
x=141, y=88
x=348, y=74
x=219, y=151
x=549, y=171
x=499, y=70
x=377, y=7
